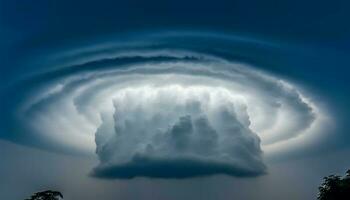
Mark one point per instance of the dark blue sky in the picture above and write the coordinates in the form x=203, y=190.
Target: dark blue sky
x=314, y=39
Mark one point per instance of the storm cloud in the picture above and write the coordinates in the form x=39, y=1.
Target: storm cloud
x=166, y=127
x=152, y=108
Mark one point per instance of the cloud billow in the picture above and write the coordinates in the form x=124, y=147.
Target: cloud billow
x=196, y=136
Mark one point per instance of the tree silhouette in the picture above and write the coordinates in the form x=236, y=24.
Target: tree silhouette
x=335, y=188
x=46, y=195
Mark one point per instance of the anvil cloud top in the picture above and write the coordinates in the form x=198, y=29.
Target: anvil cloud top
x=180, y=102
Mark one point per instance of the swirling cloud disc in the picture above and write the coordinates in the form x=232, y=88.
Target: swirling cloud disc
x=167, y=105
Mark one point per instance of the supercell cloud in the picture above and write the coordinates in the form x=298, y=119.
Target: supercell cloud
x=152, y=107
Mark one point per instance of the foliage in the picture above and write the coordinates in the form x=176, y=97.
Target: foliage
x=46, y=195
x=335, y=188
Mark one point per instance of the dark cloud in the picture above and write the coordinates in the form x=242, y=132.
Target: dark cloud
x=143, y=166
x=180, y=133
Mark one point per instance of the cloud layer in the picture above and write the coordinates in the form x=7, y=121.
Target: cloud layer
x=156, y=108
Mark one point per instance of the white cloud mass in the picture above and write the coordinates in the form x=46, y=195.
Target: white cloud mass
x=178, y=123
x=167, y=112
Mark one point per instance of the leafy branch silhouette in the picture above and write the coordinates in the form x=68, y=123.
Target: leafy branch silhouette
x=335, y=188
x=46, y=195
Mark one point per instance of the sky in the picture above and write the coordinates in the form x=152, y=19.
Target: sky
x=173, y=99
